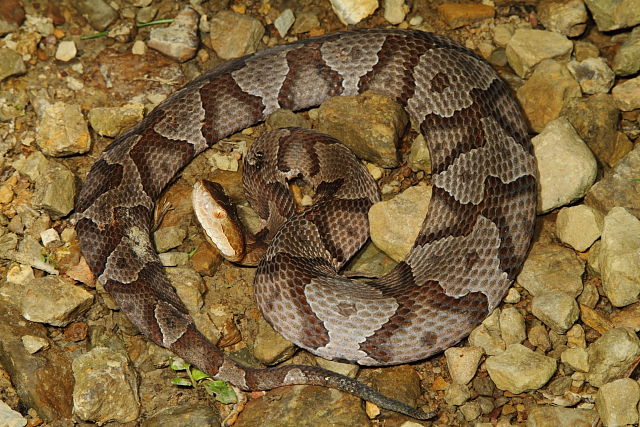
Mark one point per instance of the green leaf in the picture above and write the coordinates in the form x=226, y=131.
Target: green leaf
x=634, y=179
x=178, y=364
x=192, y=252
x=158, y=22
x=181, y=381
x=198, y=375
x=222, y=390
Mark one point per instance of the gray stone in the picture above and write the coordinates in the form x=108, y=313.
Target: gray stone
x=463, y=363
x=189, y=286
x=611, y=355
x=11, y=63
x=471, y=410
x=34, y=166
x=619, y=257
x=457, y=394
x=620, y=187
x=557, y=309
x=234, y=35
x=174, y=259
x=519, y=369
x=305, y=22
x=617, y=402
x=419, y=158
x=99, y=14
x=527, y=48
x=11, y=418
x=627, y=59
x=550, y=266
x=593, y=74
x=112, y=121
x=49, y=299
x=179, y=41
x=614, y=14
x=576, y=358
x=187, y=415
x=559, y=149
x=395, y=223
x=487, y=334
x=270, y=347
x=564, y=17
x=166, y=238
x=106, y=387
x=369, y=124
x=284, y=22
x=579, y=226
x=62, y=130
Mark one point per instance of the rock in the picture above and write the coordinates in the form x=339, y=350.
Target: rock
x=179, y=41
x=399, y=382
x=419, y=158
x=627, y=60
x=189, y=286
x=564, y=17
x=619, y=187
x=593, y=74
x=612, y=355
x=112, y=121
x=286, y=118
x=550, y=266
x=11, y=16
x=50, y=238
x=369, y=124
x=62, y=130
x=595, y=320
x=527, y=48
x=614, y=14
x=538, y=337
x=287, y=406
x=576, y=358
x=395, y=11
x=545, y=93
x=463, y=363
x=166, y=238
x=34, y=166
x=351, y=12
x=11, y=418
x=557, y=309
x=305, y=22
x=106, y=387
x=579, y=226
x=234, y=35
x=269, y=347
x=459, y=15
x=42, y=380
x=512, y=326
x=457, y=394
x=584, y=49
x=502, y=33
x=347, y=369
x=395, y=223
x=139, y=48
x=187, y=415
x=558, y=149
x=11, y=63
x=519, y=369
x=55, y=190
x=49, y=299
x=284, y=22
x=629, y=316
x=576, y=337
x=627, y=94
x=34, y=344
x=66, y=51
x=487, y=335
x=99, y=14
x=619, y=257
x=617, y=402
x=545, y=416
x=174, y=259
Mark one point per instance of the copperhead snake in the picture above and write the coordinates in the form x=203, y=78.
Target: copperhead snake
x=472, y=243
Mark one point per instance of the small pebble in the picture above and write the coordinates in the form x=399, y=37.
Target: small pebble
x=66, y=51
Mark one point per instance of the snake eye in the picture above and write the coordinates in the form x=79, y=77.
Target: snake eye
x=257, y=160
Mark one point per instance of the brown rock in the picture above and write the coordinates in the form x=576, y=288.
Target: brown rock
x=459, y=15
x=629, y=316
x=12, y=12
x=594, y=319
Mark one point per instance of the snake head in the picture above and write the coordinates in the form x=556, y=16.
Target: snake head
x=218, y=218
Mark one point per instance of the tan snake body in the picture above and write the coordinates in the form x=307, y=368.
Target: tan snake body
x=471, y=245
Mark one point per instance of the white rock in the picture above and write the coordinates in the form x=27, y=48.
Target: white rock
x=579, y=226
x=284, y=22
x=49, y=236
x=487, y=334
x=34, y=344
x=11, y=418
x=619, y=257
x=353, y=11
x=66, y=50
x=519, y=369
x=139, y=47
x=567, y=167
x=617, y=402
x=395, y=11
x=463, y=363
x=513, y=296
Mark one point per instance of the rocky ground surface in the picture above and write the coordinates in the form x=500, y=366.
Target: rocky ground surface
x=562, y=349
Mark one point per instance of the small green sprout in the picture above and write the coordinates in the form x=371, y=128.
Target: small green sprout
x=192, y=252
x=139, y=25
x=221, y=390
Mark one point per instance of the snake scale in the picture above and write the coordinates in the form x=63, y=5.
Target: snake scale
x=472, y=243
